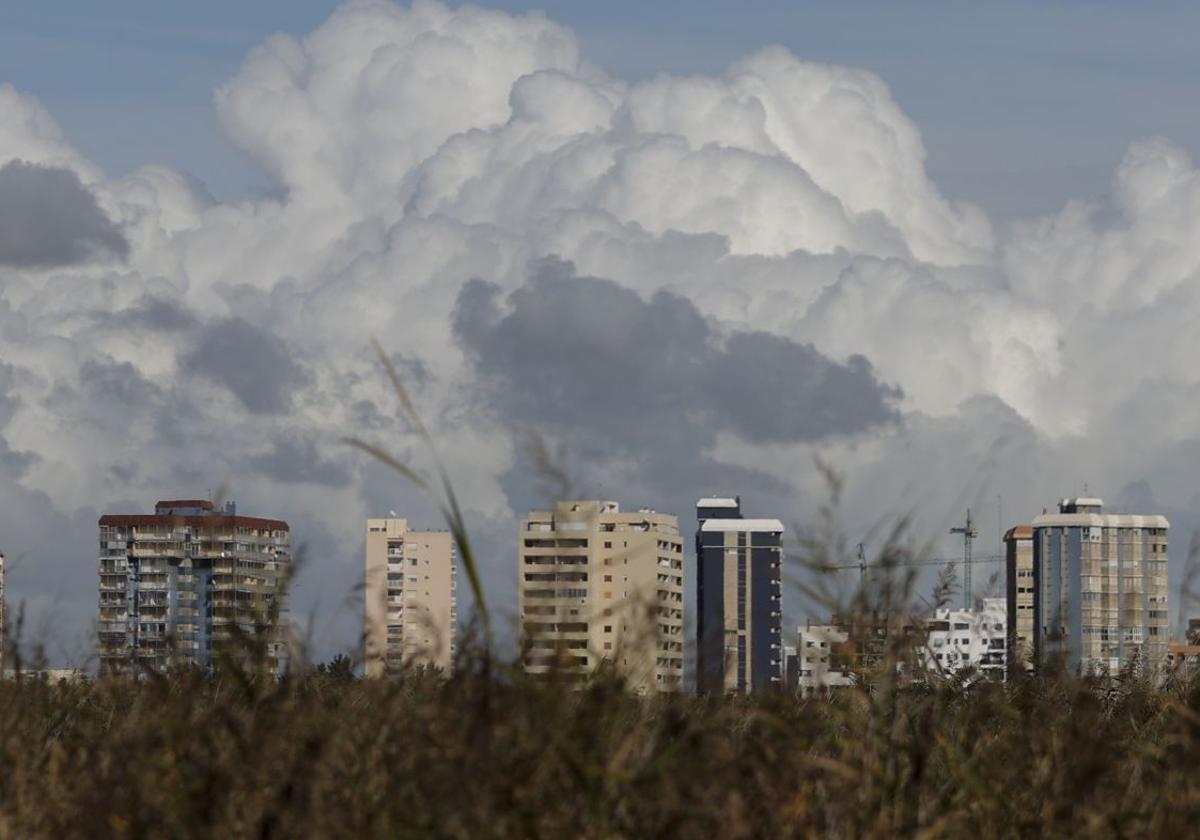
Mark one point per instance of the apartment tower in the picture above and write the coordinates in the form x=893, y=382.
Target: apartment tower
x=1100, y=587
x=599, y=586
x=739, y=620
x=411, y=605
x=1019, y=588
x=2, y=616
x=182, y=584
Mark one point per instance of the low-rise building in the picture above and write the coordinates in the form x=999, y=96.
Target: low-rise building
x=962, y=640
x=822, y=663
x=1183, y=658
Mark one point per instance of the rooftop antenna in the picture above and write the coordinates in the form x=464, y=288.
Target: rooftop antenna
x=862, y=566
x=969, y=532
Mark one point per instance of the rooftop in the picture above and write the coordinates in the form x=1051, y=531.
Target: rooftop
x=715, y=502
x=773, y=526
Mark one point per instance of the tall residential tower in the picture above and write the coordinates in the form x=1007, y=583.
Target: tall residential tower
x=1018, y=573
x=1100, y=598
x=181, y=584
x=410, y=597
x=739, y=621
x=601, y=586
x=2, y=624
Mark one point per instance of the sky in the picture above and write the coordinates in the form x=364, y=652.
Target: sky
x=949, y=249
x=1022, y=105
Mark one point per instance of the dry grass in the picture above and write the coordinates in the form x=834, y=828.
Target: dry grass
x=487, y=752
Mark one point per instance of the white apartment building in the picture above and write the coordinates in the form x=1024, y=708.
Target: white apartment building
x=820, y=666
x=959, y=640
x=410, y=597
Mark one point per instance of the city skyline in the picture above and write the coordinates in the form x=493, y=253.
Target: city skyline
x=688, y=270
x=1082, y=585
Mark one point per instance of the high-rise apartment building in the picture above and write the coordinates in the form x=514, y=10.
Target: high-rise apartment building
x=1018, y=571
x=410, y=599
x=2, y=624
x=598, y=585
x=1100, y=581
x=189, y=580
x=739, y=620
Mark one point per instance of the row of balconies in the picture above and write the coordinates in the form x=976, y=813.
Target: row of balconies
x=533, y=628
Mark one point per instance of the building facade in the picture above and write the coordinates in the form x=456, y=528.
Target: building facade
x=1019, y=589
x=3, y=624
x=823, y=664
x=410, y=598
x=1183, y=659
x=600, y=586
x=975, y=640
x=188, y=581
x=1100, y=587
x=739, y=619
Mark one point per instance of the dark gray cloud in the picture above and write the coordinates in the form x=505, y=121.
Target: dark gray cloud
x=295, y=459
x=629, y=395
x=152, y=313
x=48, y=218
x=586, y=354
x=255, y=365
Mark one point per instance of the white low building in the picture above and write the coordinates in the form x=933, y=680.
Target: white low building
x=819, y=669
x=975, y=639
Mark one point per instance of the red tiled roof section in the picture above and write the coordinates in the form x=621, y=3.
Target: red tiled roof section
x=1019, y=532
x=185, y=503
x=148, y=520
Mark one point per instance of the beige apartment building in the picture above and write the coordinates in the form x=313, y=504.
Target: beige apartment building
x=1018, y=567
x=598, y=585
x=411, y=602
x=1101, y=587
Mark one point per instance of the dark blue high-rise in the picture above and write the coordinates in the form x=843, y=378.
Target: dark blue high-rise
x=739, y=623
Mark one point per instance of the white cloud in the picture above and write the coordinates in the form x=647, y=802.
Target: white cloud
x=418, y=148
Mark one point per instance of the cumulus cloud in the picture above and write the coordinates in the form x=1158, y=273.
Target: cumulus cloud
x=763, y=271
x=49, y=219
x=628, y=376
x=256, y=366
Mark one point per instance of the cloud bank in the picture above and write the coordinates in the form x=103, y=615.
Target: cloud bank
x=689, y=284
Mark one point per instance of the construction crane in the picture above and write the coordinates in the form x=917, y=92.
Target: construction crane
x=969, y=532
x=968, y=561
